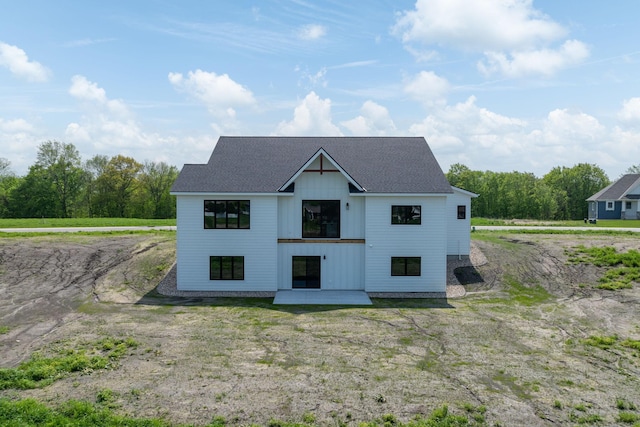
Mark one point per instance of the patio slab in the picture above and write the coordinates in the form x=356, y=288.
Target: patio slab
x=321, y=297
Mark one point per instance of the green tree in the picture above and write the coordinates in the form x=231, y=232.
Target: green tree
x=61, y=164
x=33, y=196
x=93, y=169
x=116, y=184
x=156, y=181
x=633, y=169
x=8, y=181
x=573, y=186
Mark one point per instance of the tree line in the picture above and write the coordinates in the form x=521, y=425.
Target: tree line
x=61, y=185
x=559, y=195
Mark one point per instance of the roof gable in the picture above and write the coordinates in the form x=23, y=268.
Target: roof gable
x=266, y=164
x=627, y=185
x=318, y=160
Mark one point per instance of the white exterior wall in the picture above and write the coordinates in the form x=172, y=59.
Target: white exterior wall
x=313, y=186
x=458, y=230
x=258, y=245
x=342, y=265
x=384, y=240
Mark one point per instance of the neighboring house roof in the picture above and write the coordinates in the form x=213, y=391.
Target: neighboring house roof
x=265, y=164
x=620, y=189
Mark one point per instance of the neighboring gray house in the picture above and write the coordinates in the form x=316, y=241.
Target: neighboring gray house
x=618, y=200
x=374, y=214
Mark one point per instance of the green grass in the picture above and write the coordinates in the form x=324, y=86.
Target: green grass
x=40, y=371
x=82, y=222
x=627, y=265
x=74, y=413
x=616, y=223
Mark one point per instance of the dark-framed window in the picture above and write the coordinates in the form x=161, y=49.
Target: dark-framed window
x=462, y=212
x=628, y=205
x=406, y=266
x=227, y=214
x=406, y=214
x=321, y=218
x=226, y=268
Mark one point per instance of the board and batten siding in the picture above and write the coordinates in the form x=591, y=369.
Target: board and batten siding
x=458, y=230
x=385, y=240
x=314, y=186
x=341, y=264
x=195, y=244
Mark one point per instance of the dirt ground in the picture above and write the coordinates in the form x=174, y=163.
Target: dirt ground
x=525, y=359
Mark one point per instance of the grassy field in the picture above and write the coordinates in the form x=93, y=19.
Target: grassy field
x=82, y=222
x=617, y=223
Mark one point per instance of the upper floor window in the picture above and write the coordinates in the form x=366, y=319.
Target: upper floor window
x=321, y=218
x=226, y=214
x=462, y=212
x=406, y=214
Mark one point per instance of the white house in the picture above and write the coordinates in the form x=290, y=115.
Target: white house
x=374, y=214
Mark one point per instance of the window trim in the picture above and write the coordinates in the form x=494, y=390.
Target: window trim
x=405, y=217
x=462, y=213
x=227, y=222
x=325, y=236
x=221, y=260
x=405, y=260
x=610, y=205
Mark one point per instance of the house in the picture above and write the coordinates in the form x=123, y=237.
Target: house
x=618, y=200
x=374, y=214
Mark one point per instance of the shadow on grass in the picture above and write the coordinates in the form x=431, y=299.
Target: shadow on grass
x=153, y=297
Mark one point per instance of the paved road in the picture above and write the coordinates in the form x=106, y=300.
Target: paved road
x=86, y=229
x=541, y=227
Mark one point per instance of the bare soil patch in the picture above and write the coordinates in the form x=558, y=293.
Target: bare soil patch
x=514, y=343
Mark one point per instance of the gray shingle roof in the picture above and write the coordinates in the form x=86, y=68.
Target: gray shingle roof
x=619, y=189
x=264, y=164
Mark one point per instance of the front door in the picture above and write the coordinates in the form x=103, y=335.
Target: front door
x=306, y=272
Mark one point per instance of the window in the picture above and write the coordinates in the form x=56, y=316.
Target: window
x=405, y=266
x=609, y=206
x=321, y=218
x=628, y=205
x=226, y=214
x=462, y=212
x=405, y=214
x=226, y=268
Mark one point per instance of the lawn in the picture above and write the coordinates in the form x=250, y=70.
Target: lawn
x=617, y=223
x=82, y=222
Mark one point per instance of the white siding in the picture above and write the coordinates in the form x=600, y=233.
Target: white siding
x=314, y=186
x=342, y=264
x=384, y=240
x=258, y=245
x=458, y=230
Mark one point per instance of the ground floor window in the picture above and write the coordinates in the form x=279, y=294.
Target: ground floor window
x=226, y=268
x=405, y=266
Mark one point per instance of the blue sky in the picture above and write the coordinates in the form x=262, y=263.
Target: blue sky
x=495, y=85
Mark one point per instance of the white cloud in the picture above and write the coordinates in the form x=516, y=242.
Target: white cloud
x=630, y=112
x=373, y=121
x=17, y=61
x=219, y=93
x=567, y=129
x=311, y=32
x=537, y=62
x=513, y=35
x=19, y=141
x=312, y=117
x=428, y=88
x=477, y=25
